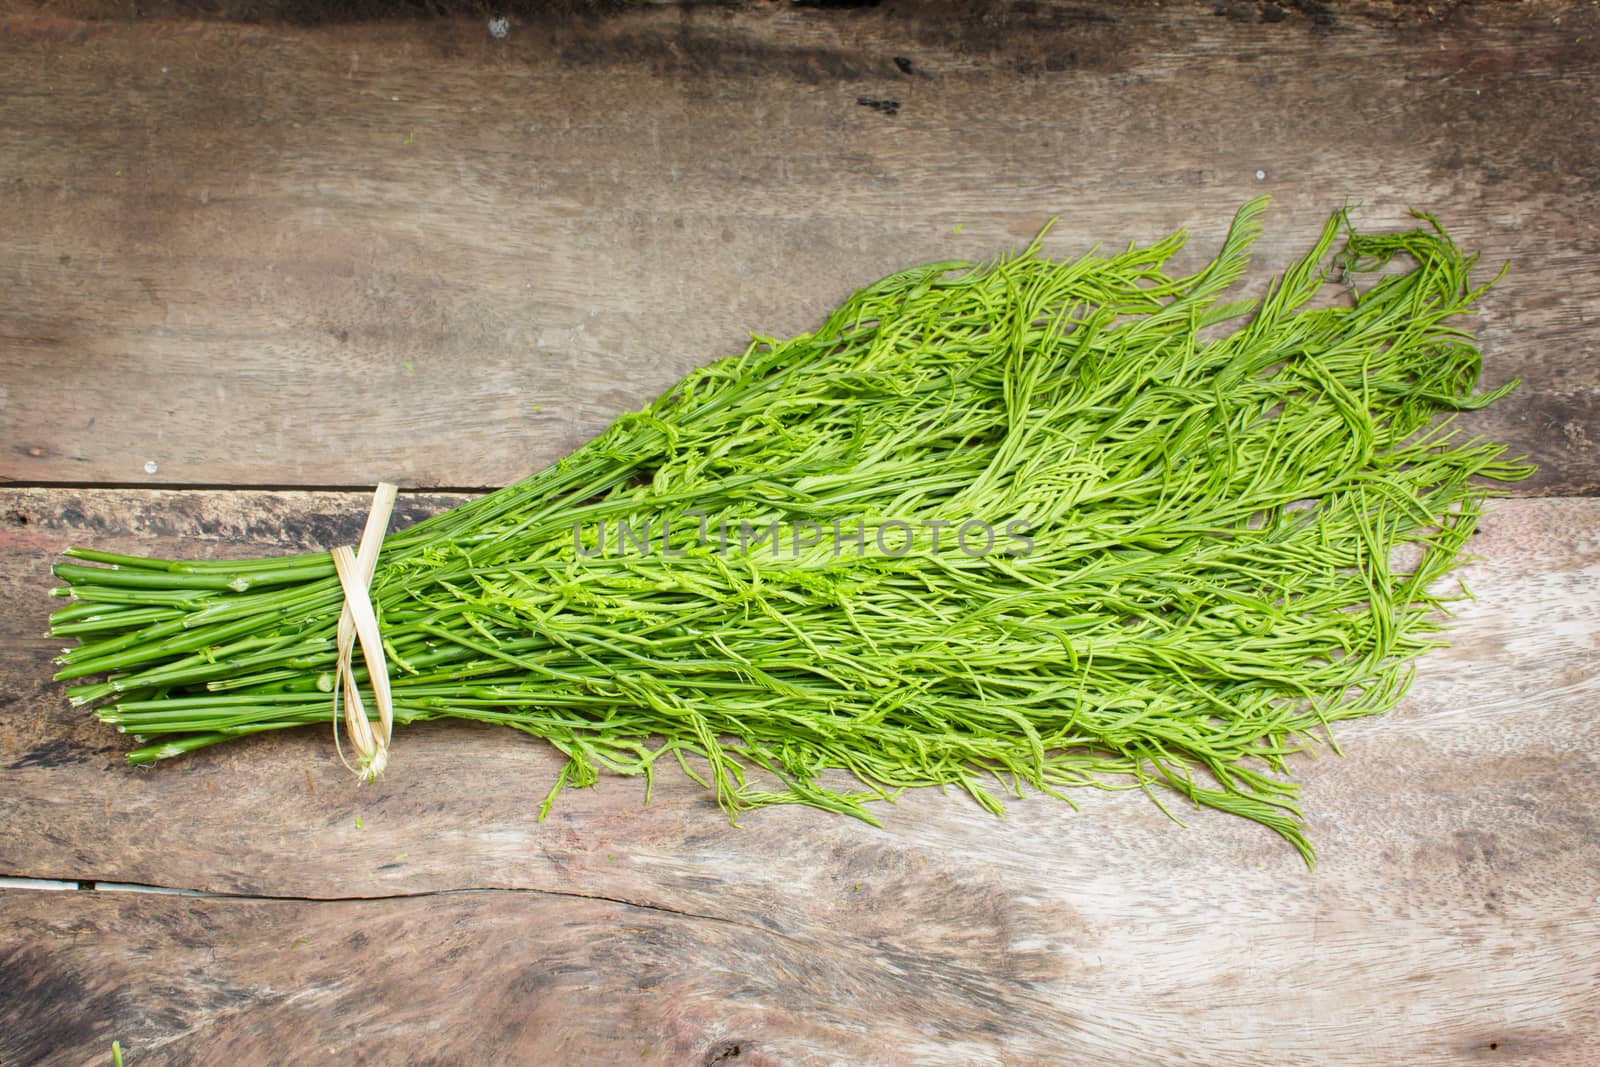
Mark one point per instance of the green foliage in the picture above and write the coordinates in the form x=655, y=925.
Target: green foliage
x=1216, y=492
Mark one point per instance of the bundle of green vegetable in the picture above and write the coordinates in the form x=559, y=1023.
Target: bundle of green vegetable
x=1168, y=555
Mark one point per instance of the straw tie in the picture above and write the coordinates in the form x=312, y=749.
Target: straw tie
x=359, y=621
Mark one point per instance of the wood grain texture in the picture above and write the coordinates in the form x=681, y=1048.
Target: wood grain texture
x=261, y=255
x=1452, y=918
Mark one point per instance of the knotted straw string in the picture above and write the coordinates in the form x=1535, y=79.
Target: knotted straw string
x=359, y=621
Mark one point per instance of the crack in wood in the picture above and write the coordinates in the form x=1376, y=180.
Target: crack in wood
x=25, y=883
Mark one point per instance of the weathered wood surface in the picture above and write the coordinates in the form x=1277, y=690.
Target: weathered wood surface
x=261, y=255
x=429, y=918
x=320, y=257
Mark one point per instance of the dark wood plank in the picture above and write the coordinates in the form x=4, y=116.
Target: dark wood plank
x=1451, y=919
x=268, y=255
x=463, y=978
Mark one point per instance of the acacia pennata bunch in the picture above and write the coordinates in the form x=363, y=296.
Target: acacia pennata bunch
x=1031, y=523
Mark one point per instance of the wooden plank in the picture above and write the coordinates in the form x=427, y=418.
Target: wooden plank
x=479, y=977
x=1452, y=917
x=278, y=256
x=537, y=978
